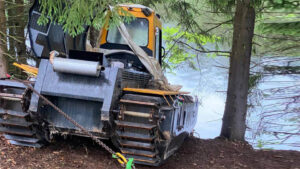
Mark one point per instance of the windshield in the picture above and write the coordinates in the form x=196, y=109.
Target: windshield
x=137, y=29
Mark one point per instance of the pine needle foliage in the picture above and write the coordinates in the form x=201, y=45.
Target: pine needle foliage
x=74, y=15
x=198, y=17
x=280, y=4
x=278, y=29
x=228, y=6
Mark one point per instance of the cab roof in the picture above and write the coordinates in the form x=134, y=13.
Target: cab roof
x=129, y=5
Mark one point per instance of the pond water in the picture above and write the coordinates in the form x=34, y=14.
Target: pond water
x=210, y=85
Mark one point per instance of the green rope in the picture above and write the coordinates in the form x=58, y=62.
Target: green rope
x=114, y=156
x=129, y=163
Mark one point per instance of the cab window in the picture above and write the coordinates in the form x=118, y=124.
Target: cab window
x=137, y=29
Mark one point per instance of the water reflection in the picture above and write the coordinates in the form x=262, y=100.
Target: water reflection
x=210, y=85
x=276, y=115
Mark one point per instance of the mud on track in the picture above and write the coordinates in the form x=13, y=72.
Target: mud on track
x=195, y=153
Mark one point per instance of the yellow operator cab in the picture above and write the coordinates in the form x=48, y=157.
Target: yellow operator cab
x=145, y=30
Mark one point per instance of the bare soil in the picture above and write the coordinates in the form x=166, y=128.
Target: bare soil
x=195, y=153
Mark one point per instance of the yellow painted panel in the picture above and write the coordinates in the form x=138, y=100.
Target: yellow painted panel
x=27, y=68
x=157, y=22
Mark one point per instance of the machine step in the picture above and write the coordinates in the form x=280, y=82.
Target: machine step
x=138, y=102
x=135, y=136
x=21, y=138
x=17, y=131
x=143, y=160
x=138, y=152
x=12, y=113
x=135, y=144
x=12, y=122
x=135, y=125
x=18, y=143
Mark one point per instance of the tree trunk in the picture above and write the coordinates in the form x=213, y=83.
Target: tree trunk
x=3, y=68
x=19, y=24
x=16, y=23
x=94, y=37
x=11, y=15
x=234, y=119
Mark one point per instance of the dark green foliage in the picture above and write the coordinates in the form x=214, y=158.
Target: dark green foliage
x=254, y=79
x=74, y=15
x=224, y=6
x=288, y=28
x=277, y=30
x=280, y=4
x=199, y=17
x=228, y=6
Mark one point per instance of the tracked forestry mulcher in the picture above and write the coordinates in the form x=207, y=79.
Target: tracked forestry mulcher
x=110, y=90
